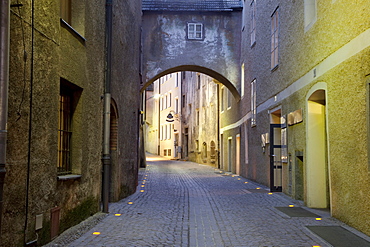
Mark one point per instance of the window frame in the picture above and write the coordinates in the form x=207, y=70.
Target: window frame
x=69, y=95
x=253, y=30
x=66, y=11
x=192, y=31
x=253, y=102
x=275, y=39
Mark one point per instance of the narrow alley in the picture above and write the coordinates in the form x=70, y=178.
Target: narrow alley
x=181, y=203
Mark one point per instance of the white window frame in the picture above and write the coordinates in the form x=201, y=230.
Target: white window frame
x=193, y=31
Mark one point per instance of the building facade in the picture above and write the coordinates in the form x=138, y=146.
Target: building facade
x=163, y=116
x=56, y=79
x=302, y=124
x=299, y=122
x=200, y=118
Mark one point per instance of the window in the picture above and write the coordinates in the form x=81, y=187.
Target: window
x=195, y=31
x=253, y=22
x=169, y=99
x=178, y=77
x=222, y=99
x=253, y=103
x=242, y=80
x=161, y=133
x=72, y=14
x=165, y=132
x=169, y=131
x=183, y=100
x=197, y=117
x=198, y=81
x=274, y=39
x=68, y=97
x=229, y=97
x=176, y=105
x=309, y=13
x=65, y=11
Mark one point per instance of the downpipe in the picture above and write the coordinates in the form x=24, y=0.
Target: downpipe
x=4, y=84
x=106, y=159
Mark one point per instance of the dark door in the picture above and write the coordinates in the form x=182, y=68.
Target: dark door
x=276, y=162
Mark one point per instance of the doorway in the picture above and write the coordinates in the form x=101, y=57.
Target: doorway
x=317, y=175
x=278, y=149
x=229, y=154
x=237, y=155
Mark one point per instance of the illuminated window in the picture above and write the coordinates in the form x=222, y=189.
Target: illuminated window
x=195, y=31
x=275, y=39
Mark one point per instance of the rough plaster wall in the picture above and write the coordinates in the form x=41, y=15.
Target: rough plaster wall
x=125, y=88
x=57, y=54
x=338, y=22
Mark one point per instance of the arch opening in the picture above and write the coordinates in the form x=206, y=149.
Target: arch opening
x=217, y=76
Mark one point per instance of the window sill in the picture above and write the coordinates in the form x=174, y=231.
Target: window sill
x=69, y=177
x=275, y=68
x=73, y=31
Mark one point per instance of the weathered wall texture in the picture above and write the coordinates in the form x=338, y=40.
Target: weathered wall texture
x=125, y=87
x=330, y=54
x=165, y=45
x=32, y=185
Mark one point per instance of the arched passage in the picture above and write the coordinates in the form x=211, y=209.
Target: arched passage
x=220, y=78
x=317, y=172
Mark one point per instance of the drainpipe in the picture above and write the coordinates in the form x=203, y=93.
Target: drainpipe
x=4, y=81
x=106, y=160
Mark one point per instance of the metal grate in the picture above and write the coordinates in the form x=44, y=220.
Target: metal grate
x=192, y=5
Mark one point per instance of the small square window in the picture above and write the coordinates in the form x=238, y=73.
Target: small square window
x=195, y=31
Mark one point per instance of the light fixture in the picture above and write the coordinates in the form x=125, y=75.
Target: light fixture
x=170, y=118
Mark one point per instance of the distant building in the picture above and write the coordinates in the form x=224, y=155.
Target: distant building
x=163, y=116
x=200, y=118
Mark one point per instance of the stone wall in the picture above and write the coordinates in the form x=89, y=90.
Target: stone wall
x=44, y=52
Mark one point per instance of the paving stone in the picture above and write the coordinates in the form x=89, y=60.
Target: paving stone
x=187, y=204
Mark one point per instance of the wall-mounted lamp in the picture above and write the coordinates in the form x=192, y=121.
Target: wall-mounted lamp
x=170, y=118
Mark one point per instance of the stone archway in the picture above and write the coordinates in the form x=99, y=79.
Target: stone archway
x=168, y=45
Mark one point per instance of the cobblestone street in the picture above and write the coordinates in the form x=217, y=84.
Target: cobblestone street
x=188, y=204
